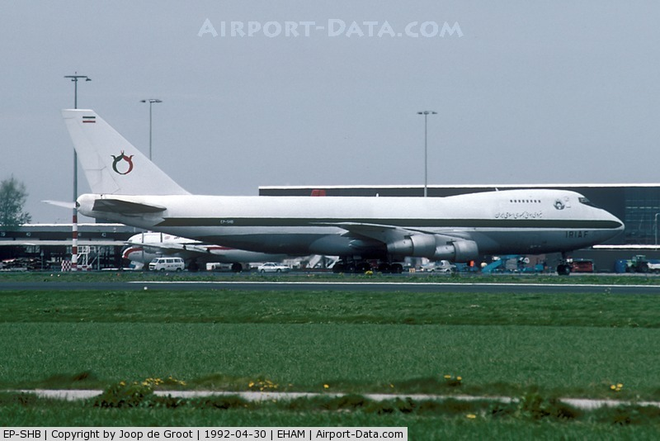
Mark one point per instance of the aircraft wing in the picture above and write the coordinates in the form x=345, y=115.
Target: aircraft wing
x=386, y=233
x=400, y=240
x=381, y=233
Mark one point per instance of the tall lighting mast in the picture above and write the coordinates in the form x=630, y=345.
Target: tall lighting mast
x=426, y=114
x=151, y=102
x=74, y=243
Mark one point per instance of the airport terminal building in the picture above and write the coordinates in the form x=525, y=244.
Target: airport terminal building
x=48, y=246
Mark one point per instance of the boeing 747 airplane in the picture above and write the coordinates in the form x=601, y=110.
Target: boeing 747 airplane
x=130, y=189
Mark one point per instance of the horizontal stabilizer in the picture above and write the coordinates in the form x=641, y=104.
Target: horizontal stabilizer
x=63, y=204
x=125, y=207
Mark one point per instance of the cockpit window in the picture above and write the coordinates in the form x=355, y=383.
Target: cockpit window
x=586, y=201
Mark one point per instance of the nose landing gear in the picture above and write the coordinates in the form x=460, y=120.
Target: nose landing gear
x=565, y=267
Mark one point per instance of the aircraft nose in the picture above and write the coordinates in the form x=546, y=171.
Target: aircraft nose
x=617, y=225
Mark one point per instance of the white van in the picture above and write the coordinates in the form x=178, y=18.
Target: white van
x=167, y=264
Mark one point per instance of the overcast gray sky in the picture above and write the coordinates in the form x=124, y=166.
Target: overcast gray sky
x=526, y=92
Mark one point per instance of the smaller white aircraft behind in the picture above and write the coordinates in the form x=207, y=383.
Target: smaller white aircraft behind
x=142, y=248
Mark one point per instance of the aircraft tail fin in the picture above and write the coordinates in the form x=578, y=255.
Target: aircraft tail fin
x=111, y=164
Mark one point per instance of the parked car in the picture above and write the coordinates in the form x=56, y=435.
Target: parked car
x=443, y=266
x=272, y=267
x=167, y=264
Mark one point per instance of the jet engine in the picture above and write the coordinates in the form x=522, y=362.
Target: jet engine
x=417, y=245
x=457, y=251
x=435, y=247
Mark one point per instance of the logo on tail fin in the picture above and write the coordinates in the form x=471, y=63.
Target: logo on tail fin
x=118, y=159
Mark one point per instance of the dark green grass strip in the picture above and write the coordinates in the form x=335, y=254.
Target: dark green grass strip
x=128, y=276
x=532, y=418
x=153, y=306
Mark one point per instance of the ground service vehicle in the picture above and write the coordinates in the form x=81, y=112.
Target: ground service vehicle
x=638, y=264
x=167, y=264
x=582, y=266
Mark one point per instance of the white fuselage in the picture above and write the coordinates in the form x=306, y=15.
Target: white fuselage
x=506, y=222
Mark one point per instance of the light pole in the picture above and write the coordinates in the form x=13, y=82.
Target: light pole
x=426, y=114
x=151, y=101
x=74, y=242
x=655, y=227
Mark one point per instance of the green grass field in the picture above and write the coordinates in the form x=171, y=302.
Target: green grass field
x=499, y=344
x=296, y=276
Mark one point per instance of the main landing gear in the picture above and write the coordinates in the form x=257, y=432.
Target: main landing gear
x=362, y=266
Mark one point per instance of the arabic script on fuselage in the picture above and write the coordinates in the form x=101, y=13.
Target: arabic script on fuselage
x=519, y=215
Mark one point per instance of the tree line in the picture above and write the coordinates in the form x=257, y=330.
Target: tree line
x=13, y=195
